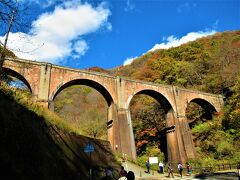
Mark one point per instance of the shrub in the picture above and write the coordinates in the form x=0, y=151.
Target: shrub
x=224, y=148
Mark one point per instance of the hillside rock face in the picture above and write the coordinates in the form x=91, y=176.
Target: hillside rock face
x=34, y=149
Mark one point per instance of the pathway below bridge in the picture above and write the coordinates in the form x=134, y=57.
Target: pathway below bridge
x=140, y=174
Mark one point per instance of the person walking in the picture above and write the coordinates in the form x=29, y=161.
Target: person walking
x=180, y=169
x=123, y=172
x=170, y=170
x=109, y=172
x=130, y=175
x=161, y=167
x=189, y=169
x=148, y=166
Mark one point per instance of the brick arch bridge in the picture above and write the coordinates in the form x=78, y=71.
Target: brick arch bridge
x=46, y=80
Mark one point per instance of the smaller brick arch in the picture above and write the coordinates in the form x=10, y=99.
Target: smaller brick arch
x=18, y=76
x=86, y=82
x=207, y=106
x=165, y=103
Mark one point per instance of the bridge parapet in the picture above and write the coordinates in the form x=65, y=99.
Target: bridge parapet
x=25, y=61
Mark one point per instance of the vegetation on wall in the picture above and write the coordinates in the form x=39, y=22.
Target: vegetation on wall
x=7, y=53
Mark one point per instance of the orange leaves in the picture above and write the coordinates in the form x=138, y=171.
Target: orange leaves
x=141, y=143
x=148, y=132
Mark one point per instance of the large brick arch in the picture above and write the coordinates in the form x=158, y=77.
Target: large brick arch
x=165, y=103
x=18, y=76
x=62, y=77
x=168, y=109
x=101, y=89
x=162, y=93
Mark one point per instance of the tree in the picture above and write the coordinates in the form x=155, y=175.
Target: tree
x=95, y=125
x=2, y=55
x=148, y=118
x=11, y=16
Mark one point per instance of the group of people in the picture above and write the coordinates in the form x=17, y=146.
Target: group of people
x=123, y=174
x=180, y=169
x=170, y=169
x=130, y=175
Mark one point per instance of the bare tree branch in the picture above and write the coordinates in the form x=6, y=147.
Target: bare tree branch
x=11, y=18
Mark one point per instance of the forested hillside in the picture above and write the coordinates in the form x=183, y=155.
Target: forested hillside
x=209, y=64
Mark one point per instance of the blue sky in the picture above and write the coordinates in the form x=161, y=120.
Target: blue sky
x=82, y=34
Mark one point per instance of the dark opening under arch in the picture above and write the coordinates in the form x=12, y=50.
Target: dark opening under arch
x=18, y=76
x=208, y=107
x=159, y=97
x=161, y=108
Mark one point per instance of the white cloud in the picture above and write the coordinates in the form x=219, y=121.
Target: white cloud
x=129, y=60
x=55, y=35
x=80, y=47
x=172, y=41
